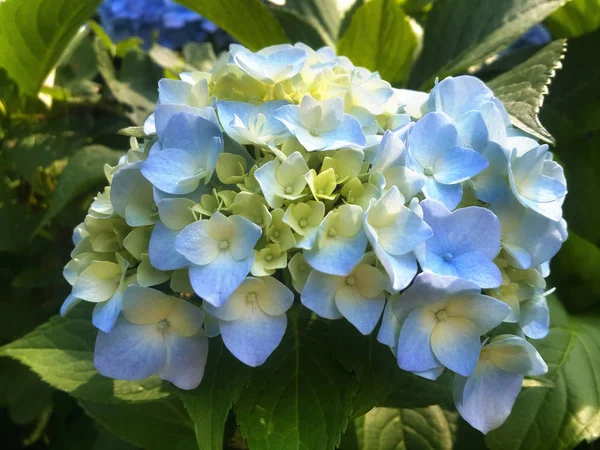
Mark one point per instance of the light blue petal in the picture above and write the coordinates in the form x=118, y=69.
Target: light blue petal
x=535, y=317
x=266, y=176
x=465, y=230
x=431, y=374
x=70, y=302
x=130, y=189
x=173, y=91
x=338, y=256
x=491, y=183
x=348, y=134
x=477, y=268
x=253, y=337
x=515, y=355
x=190, y=133
x=456, y=344
x=483, y=311
x=172, y=170
x=389, y=331
x=405, y=234
x=414, y=344
x=164, y=113
x=319, y=294
x=105, y=314
x=244, y=238
x=161, y=250
x=431, y=136
x=457, y=95
x=458, y=164
x=401, y=269
x=129, y=352
x=473, y=131
x=215, y=282
x=431, y=290
x=485, y=399
x=449, y=195
x=362, y=312
x=227, y=111
x=195, y=243
x=185, y=359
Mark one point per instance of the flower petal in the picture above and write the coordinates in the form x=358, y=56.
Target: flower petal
x=414, y=343
x=319, y=294
x=254, y=336
x=129, y=352
x=215, y=282
x=362, y=312
x=456, y=344
x=185, y=360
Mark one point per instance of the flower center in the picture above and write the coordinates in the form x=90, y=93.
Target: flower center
x=332, y=232
x=276, y=234
x=448, y=257
x=288, y=189
x=269, y=258
x=320, y=192
x=351, y=199
x=314, y=131
x=251, y=297
x=428, y=171
x=442, y=315
x=351, y=280
x=224, y=245
x=163, y=324
x=303, y=223
x=258, y=220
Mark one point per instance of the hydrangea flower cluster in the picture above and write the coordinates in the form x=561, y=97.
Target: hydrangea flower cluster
x=176, y=25
x=290, y=170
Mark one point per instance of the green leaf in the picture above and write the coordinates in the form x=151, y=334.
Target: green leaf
x=522, y=89
x=462, y=33
x=157, y=425
x=413, y=391
x=561, y=416
x=248, y=21
x=209, y=404
x=298, y=29
x=136, y=85
x=17, y=224
x=380, y=37
x=576, y=18
x=61, y=352
x=301, y=397
x=575, y=272
x=372, y=363
x=323, y=15
x=34, y=33
x=429, y=428
x=22, y=392
x=84, y=171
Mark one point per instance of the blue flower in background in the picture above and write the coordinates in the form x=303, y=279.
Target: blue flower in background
x=175, y=24
x=536, y=36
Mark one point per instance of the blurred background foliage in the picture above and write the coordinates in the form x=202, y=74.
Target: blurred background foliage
x=73, y=73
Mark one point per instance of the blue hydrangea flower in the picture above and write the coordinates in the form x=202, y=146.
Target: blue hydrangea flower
x=221, y=253
x=486, y=397
x=538, y=182
x=103, y=283
x=436, y=152
x=340, y=242
x=175, y=24
x=442, y=319
x=249, y=124
x=528, y=238
x=132, y=196
x=190, y=147
x=156, y=334
x=464, y=243
x=359, y=296
x=252, y=321
x=394, y=232
x=322, y=125
x=390, y=167
x=271, y=64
